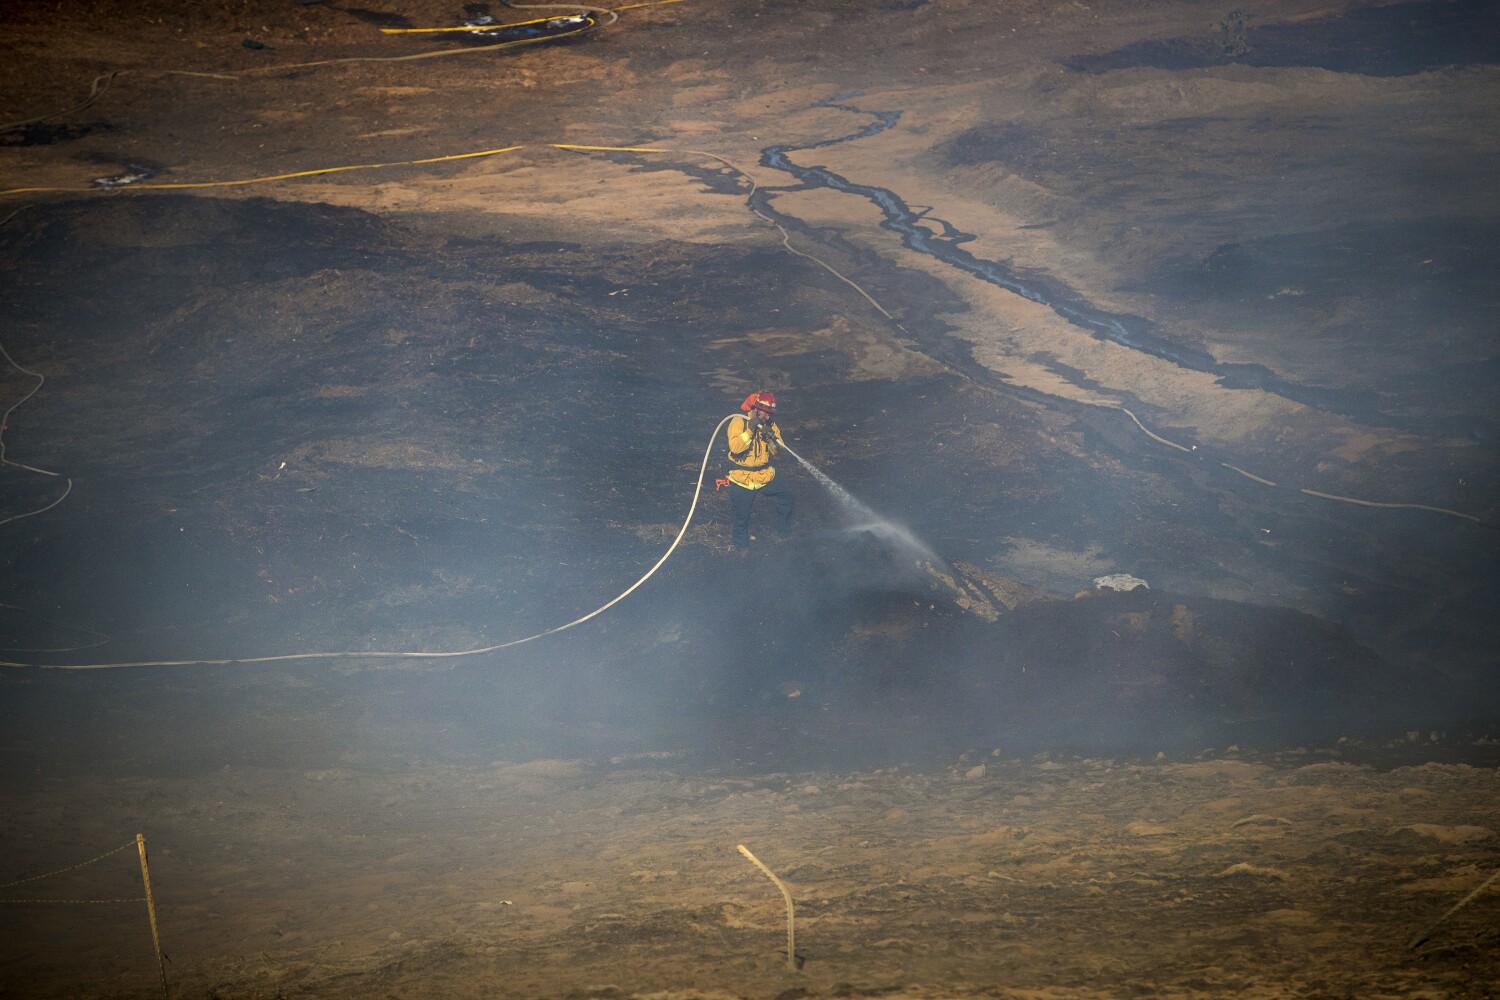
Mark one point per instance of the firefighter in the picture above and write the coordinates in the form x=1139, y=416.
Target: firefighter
x=754, y=440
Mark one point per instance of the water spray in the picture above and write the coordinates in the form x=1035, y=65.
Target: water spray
x=866, y=520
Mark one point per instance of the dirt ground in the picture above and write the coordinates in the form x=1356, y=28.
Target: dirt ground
x=1292, y=876
x=345, y=351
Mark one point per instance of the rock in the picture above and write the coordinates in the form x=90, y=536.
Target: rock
x=1255, y=871
x=1123, y=582
x=1146, y=828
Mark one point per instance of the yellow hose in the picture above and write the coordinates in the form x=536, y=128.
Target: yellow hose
x=190, y=185
x=466, y=27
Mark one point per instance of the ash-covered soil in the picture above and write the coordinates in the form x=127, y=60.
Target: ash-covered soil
x=1200, y=294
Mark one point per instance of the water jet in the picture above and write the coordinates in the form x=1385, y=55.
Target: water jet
x=865, y=520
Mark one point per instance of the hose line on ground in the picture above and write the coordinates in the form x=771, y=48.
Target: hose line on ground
x=5, y=425
x=420, y=654
x=243, y=181
x=785, y=242
x=102, y=82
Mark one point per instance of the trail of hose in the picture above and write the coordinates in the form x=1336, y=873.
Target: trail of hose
x=474, y=29
x=969, y=375
x=101, y=639
x=243, y=181
x=418, y=654
x=785, y=242
x=5, y=425
x=1312, y=493
x=101, y=83
x=613, y=13
x=440, y=53
x=1387, y=506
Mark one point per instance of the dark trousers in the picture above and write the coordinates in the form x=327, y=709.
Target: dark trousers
x=743, y=500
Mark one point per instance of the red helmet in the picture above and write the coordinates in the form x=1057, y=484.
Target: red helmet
x=759, y=401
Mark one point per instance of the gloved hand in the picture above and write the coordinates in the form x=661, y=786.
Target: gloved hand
x=758, y=426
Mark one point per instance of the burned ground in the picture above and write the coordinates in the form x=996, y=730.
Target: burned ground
x=1060, y=305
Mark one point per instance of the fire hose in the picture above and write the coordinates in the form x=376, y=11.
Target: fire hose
x=423, y=654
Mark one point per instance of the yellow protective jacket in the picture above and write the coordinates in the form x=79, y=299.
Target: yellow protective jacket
x=752, y=454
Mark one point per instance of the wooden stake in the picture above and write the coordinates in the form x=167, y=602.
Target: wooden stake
x=791, y=926
x=1456, y=907
x=161, y=965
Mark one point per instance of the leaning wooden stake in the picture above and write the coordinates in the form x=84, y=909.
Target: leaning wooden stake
x=791, y=925
x=1456, y=907
x=161, y=966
